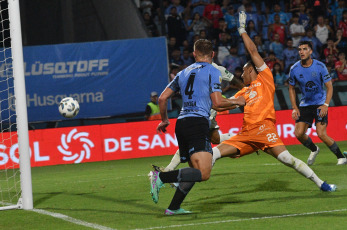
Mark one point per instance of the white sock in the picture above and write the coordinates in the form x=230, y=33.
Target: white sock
x=224, y=137
x=175, y=161
x=286, y=158
x=216, y=155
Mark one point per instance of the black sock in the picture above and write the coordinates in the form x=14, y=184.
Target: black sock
x=181, y=193
x=310, y=145
x=169, y=177
x=336, y=150
x=181, y=175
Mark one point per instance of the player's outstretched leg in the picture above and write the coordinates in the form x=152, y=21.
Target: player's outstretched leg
x=286, y=158
x=175, y=161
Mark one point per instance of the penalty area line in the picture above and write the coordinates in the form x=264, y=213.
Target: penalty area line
x=246, y=219
x=71, y=220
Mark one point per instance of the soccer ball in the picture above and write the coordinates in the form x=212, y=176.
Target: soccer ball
x=69, y=107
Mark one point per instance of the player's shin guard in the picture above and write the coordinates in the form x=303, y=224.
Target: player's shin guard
x=286, y=158
x=225, y=136
x=175, y=161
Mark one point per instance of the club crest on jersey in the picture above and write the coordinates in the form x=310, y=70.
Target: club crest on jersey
x=314, y=74
x=252, y=94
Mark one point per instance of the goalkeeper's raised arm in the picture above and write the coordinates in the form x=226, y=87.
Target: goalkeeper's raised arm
x=249, y=44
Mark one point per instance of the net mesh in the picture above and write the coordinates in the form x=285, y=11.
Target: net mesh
x=9, y=158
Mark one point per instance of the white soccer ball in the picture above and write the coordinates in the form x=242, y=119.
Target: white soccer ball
x=69, y=107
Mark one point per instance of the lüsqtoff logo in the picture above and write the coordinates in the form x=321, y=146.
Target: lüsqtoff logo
x=66, y=140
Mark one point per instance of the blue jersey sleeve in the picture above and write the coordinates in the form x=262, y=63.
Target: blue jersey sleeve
x=174, y=84
x=325, y=74
x=215, y=81
x=291, y=79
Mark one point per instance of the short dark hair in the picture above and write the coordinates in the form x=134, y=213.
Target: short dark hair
x=251, y=63
x=203, y=46
x=306, y=43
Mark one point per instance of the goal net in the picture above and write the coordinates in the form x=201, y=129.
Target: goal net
x=15, y=174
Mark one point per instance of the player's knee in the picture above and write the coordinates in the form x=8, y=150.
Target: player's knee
x=299, y=133
x=322, y=134
x=205, y=175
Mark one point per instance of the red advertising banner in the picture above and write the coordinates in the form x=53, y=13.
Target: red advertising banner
x=136, y=139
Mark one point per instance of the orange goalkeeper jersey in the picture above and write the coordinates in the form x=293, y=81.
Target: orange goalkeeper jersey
x=259, y=97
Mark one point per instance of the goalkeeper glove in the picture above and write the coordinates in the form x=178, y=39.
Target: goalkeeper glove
x=242, y=22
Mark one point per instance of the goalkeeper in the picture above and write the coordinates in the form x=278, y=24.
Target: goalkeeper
x=214, y=128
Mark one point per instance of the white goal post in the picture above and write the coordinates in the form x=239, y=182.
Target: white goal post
x=15, y=73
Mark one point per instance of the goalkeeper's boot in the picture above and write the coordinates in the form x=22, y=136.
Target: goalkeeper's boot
x=180, y=211
x=325, y=187
x=156, y=184
x=162, y=169
x=313, y=156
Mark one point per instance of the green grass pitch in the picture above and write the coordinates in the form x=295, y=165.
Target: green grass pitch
x=253, y=192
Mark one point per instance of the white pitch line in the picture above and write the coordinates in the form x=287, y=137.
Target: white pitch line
x=239, y=220
x=72, y=220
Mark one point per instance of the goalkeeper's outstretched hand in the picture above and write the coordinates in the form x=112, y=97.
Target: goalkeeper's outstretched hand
x=242, y=22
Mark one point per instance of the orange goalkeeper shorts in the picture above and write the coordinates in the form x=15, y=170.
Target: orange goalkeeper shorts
x=261, y=135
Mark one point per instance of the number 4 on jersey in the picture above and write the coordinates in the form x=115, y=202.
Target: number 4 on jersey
x=189, y=88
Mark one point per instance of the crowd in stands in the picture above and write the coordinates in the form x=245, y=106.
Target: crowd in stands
x=276, y=27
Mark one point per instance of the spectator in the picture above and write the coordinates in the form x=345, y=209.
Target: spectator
x=264, y=24
x=176, y=27
x=146, y=7
x=232, y=60
x=343, y=24
x=251, y=30
x=152, y=111
x=252, y=16
x=271, y=60
x=199, y=6
x=297, y=31
x=332, y=72
x=150, y=25
x=175, y=4
x=223, y=46
x=173, y=71
x=224, y=6
x=331, y=59
x=277, y=28
x=280, y=77
x=171, y=46
x=277, y=11
x=242, y=7
x=338, y=12
x=222, y=27
x=341, y=67
x=260, y=46
x=322, y=30
x=213, y=12
x=341, y=42
x=231, y=20
x=186, y=58
x=303, y=17
x=176, y=58
x=295, y=6
x=277, y=47
x=316, y=44
x=195, y=25
x=290, y=56
x=330, y=49
x=203, y=34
